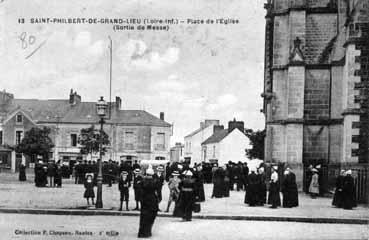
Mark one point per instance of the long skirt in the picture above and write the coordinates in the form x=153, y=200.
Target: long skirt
x=186, y=205
x=290, y=198
x=337, y=199
x=147, y=218
x=218, y=189
x=274, y=198
x=201, y=193
x=262, y=194
x=251, y=195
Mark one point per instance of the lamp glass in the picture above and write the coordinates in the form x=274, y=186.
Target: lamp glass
x=101, y=107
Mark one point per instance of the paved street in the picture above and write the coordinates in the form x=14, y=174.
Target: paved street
x=15, y=194
x=168, y=228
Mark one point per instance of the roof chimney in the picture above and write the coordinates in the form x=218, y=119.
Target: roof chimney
x=162, y=116
x=74, y=98
x=209, y=122
x=236, y=124
x=217, y=128
x=118, y=103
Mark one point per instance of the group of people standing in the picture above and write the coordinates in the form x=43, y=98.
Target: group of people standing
x=344, y=195
x=49, y=174
x=256, y=189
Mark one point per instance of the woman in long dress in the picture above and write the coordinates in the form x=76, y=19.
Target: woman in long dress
x=274, y=198
x=314, y=184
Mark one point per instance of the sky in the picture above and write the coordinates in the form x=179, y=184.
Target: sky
x=191, y=72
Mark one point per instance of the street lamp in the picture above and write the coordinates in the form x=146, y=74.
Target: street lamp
x=101, y=107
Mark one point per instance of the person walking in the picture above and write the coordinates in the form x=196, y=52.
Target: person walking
x=123, y=186
x=274, y=198
x=89, y=189
x=314, y=184
x=338, y=194
x=149, y=204
x=188, y=198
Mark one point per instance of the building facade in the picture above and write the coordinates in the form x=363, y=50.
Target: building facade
x=133, y=134
x=226, y=144
x=177, y=153
x=316, y=86
x=193, y=141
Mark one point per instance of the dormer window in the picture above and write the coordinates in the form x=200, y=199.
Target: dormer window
x=19, y=118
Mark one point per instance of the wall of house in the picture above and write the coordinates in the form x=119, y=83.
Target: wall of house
x=195, y=151
x=232, y=148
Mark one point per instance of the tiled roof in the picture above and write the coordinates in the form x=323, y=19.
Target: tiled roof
x=61, y=111
x=216, y=137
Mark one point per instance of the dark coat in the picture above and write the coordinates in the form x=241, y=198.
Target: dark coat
x=251, y=195
x=187, y=197
x=289, y=191
x=89, y=190
x=22, y=173
x=261, y=189
x=51, y=170
x=137, y=187
x=149, y=206
x=199, y=179
x=338, y=195
x=218, y=181
x=348, y=193
x=274, y=198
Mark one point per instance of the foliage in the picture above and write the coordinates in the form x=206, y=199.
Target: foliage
x=256, y=142
x=36, y=141
x=89, y=139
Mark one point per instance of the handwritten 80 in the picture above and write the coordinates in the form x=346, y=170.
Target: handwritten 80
x=27, y=40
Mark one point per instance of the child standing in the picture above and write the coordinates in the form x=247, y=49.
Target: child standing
x=137, y=186
x=89, y=186
x=123, y=186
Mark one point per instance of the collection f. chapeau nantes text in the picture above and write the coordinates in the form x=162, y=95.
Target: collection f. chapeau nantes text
x=64, y=233
x=131, y=23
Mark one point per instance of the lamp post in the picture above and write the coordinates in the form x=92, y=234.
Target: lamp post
x=101, y=107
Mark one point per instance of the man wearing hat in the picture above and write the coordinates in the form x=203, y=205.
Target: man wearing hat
x=160, y=179
x=149, y=204
x=173, y=185
x=187, y=195
x=137, y=187
x=123, y=186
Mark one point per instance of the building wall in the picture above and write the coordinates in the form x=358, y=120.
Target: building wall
x=193, y=143
x=232, y=147
x=333, y=127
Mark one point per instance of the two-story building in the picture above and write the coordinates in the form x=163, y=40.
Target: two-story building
x=194, y=140
x=226, y=144
x=134, y=134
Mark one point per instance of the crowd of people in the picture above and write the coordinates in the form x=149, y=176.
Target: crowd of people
x=262, y=185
